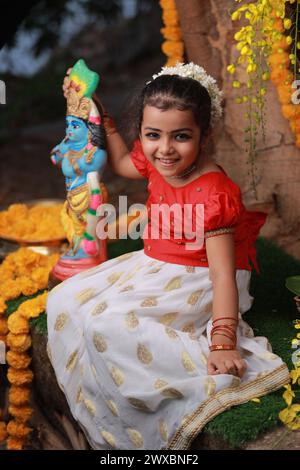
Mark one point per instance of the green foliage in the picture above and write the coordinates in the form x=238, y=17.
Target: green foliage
x=293, y=284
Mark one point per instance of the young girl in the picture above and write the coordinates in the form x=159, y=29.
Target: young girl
x=150, y=346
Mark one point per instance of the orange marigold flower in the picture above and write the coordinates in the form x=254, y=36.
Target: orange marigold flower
x=3, y=326
x=3, y=305
x=170, y=17
x=14, y=443
x=171, y=48
x=279, y=76
x=18, y=395
x=167, y=4
x=172, y=33
x=21, y=413
x=18, y=360
x=290, y=111
x=277, y=59
x=297, y=141
x=284, y=94
x=18, y=430
x=19, y=343
x=3, y=431
x=19, y=377
x=17, y=324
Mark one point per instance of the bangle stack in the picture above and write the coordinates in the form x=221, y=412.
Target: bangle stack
x=227, y=330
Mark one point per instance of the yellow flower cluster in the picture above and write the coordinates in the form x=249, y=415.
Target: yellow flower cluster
x=32, y=224
x=22, y=272
x=290, y=416
x=257, y=43
x=173, y=46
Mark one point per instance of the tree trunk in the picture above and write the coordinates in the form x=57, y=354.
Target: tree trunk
x=199, y=33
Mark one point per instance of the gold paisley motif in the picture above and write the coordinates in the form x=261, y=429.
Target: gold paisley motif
x=203, y=359
x=114, y=277
x=235, y=382
x=173, y=284
x=85, y=295
x=124, y=257
x=131, y=320
x=189, y=328
x=117, y=376
x=90, y=406
x=190, y=269
x=171, y=392
x=168, y=318
x=137, y=403
x=99, y=309
x=208, y=308
x=81, y=370
x=154, y=271
x=194, y=297
x=171, y=333
x=130, y=275
x=71, y=362
x=144, y=354
x=127, y=288
x=187, y=362
x=113, y=407
x=160, y=383
x=135, y=437
x=149, y=302
x=209, y=386
x=61, y=321
x=79, y=395
x=163, y=429
x=109, y=438
x=99, y=342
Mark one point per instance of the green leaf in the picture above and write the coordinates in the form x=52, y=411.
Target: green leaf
x=293, y=284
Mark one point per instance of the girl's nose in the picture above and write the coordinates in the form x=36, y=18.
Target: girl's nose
x=166, y=146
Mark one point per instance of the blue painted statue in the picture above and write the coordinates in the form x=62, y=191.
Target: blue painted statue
x=82, y=157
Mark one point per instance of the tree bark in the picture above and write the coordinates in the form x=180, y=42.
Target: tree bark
x=197, y=23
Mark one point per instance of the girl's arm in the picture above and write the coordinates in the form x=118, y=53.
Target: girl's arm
x=222, y=272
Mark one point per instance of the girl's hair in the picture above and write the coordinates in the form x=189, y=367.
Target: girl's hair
x=172, y=91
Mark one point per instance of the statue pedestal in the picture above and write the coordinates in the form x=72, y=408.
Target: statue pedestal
x=66, y=268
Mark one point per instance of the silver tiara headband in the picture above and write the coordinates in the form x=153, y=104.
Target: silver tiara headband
x=198, y=73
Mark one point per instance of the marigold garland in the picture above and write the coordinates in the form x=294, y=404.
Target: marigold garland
x=22, y=273
x=173, y=46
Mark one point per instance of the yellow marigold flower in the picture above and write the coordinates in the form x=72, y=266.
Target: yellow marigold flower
x=288, y=395
x=3, y=326
x=17, y=324
x=21, y=413
x=255, y=400
x=295, y=374
x=231, y=68
x=18, y=360
x=287, y=23
x=3, y=431
x=19, y=377
x=18, y=430
x=18, y=395
x=14, y=443
x=19, y=343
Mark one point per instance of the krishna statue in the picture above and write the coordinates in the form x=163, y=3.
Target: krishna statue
x=82, y=158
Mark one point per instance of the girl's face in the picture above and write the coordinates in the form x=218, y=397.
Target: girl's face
x=170, y=139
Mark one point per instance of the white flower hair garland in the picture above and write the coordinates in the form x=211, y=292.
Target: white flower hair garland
x=198, y=73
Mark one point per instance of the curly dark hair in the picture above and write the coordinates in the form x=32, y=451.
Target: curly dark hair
x=172, y=91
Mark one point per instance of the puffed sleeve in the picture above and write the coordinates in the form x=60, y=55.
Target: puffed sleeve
x=139, y=160
x=223, y=210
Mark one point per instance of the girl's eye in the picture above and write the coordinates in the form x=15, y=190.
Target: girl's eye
x=152, y=135
x=182, y=137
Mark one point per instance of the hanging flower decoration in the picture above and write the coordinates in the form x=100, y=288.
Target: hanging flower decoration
x=261, y=47
x=173, y=46
x=22, y=273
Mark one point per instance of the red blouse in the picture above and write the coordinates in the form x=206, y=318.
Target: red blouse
x=223, y=212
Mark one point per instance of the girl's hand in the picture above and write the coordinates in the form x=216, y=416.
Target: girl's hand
x=226, y=362
x=67, y=83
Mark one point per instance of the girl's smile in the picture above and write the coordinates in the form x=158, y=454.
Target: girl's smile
x=170, y=139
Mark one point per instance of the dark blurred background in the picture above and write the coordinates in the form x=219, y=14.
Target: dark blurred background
x=120, y=39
